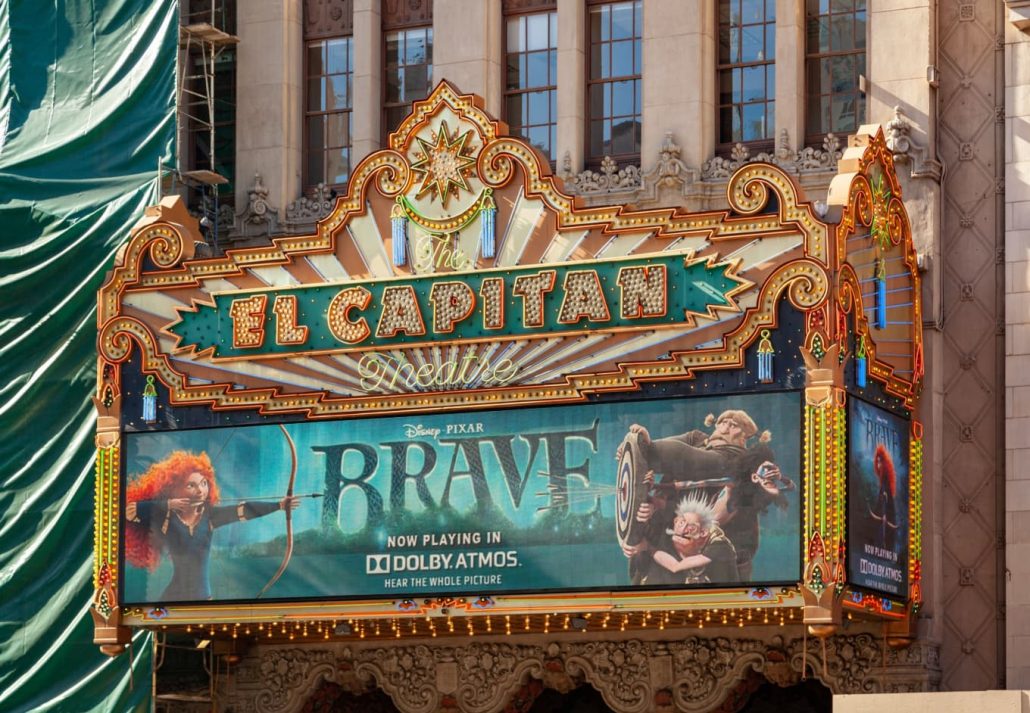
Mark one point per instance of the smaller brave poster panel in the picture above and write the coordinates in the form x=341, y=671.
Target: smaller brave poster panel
x=878, y=493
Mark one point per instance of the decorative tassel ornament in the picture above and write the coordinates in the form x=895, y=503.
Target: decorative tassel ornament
x=488, y=227
x=399, y=233
x=881, y=293
x=765, y=358
x=860, y=363
x=150, y=401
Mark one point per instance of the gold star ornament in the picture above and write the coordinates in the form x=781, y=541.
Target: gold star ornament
x=444, y=165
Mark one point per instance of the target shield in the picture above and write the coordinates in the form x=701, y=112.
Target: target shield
x=630, y=490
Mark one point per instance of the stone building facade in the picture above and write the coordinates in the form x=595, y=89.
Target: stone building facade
x=949, y=81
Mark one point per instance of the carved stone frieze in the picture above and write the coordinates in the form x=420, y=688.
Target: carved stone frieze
x=328, y=18
x=808, y=159
x=608, y=179
x=689, y=674
x=303, y=213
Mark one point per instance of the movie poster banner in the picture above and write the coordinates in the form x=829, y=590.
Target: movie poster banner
x=611, y=496
x=878, y=483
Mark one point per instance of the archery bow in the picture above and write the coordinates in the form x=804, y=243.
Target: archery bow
x=289, y=515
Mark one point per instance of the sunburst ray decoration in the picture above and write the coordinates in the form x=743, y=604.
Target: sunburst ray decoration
x=443, y=165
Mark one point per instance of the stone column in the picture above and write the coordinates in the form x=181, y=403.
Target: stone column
x=467, y=48
x=269, y=96
x=572, y=47
x=1017, y=343
x=368, y=79
x=679, y=78
x=790, y=72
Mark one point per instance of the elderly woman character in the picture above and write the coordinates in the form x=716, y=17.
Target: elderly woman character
x=173, y=509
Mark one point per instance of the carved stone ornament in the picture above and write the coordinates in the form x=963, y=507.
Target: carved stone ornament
x=693, y=673
x=898, y=133
x=259, y=217
x=809, y=159
x=303, y=213
x=609, y=179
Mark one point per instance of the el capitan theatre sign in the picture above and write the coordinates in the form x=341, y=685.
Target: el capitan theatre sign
x=467, y=394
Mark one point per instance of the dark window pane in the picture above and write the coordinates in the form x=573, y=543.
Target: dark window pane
x=770, y=42
x=315, y=134
x=394, y=116
x=596, y=21
x=841, y=5
x=597, y=147
x=536, y=69
x=394, y=78
x=738, y=86
x=726, y=124
x=597, y=106
x=316, y=61
x=429, y=49
x=841, y=33
x=315, y=172
x=845, y=79
x=416, y=80
x=393, y=48
x=724, y=10
x=316, y=94
x=514, y=110
x=513, y=75
x=860, y=30
x=724, y=45
x=596, y=52
x=625, y=137
x=726, y=86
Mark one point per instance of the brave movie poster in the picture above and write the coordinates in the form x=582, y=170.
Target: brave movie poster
x=673, y=493
x=878, y=482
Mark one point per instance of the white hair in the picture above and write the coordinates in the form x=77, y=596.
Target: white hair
x=697, y=504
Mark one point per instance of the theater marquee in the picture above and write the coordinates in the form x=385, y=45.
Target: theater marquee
x=469, y=394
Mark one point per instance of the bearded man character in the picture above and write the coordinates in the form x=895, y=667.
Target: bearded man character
x=739, y=480
x=696, y=550
x=173, y=509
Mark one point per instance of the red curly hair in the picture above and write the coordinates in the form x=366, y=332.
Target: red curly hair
x=883, y=466
x=162, y=481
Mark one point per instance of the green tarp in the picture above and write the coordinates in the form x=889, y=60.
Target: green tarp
x=87, y=93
